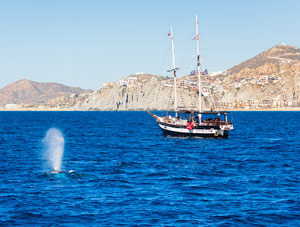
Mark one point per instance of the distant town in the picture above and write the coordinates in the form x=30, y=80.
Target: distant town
x=268, y=81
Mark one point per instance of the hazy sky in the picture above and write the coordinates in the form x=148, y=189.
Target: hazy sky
x=85, y=43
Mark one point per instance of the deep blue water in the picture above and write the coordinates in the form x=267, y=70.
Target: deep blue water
x=126, y=173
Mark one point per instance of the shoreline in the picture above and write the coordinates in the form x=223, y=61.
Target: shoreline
x=265, y=109
x=72, y=110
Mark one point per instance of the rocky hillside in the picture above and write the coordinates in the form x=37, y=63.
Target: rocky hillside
x=136, y=92
x=269, y=80
x=144, y=91
x=272, y=76
x=30, y=92
x=276, y=55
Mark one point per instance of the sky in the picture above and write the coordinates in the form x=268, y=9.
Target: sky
x=84, y=43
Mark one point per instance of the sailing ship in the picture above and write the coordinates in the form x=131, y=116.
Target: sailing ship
x=192, y=123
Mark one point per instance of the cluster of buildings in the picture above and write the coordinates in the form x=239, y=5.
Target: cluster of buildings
x=263, y=80
x=257, y=104
x=135, y=80
x=213, y=84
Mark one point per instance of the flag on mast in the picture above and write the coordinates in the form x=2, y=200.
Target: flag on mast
x=192, y=73
x=196, y=37
x=169, y=34
x=205, y=72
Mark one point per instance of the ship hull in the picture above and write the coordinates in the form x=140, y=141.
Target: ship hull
x=178, y=127
x=202, y=132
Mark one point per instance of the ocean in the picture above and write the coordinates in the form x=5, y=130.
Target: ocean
x=119, y=170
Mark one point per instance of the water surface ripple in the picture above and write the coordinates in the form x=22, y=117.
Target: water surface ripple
x=125, y=173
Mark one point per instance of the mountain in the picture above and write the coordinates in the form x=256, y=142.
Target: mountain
x=30, y=92
x=278, y=54
x=272, y=77
x=269, y=80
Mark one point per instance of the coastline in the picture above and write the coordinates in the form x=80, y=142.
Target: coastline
x=231, y=110
x=265, y=109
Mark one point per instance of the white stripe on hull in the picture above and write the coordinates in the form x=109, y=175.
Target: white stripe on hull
x=194, y=131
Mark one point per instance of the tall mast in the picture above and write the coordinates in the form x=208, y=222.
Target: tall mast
x=198, y=64
x=174, y=71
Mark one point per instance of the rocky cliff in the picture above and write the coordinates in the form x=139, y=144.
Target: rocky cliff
x=271, y=79
x=136, y=92
x=272, y=76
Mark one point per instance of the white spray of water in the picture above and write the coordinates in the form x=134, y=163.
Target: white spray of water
x=54, y=148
